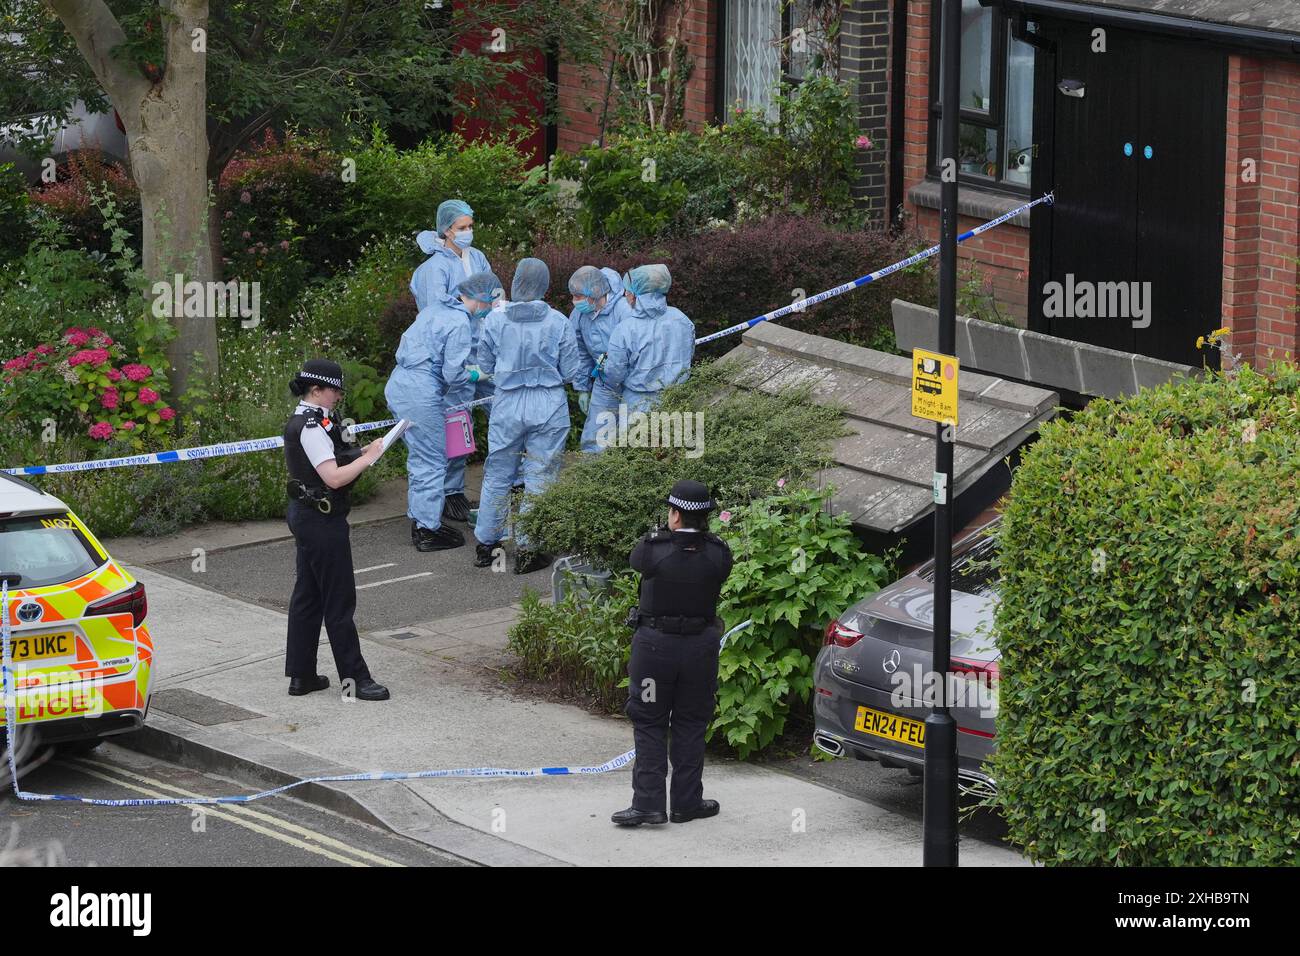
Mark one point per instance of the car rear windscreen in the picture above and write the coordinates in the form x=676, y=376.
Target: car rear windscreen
x=44, y=550
x=972, y=571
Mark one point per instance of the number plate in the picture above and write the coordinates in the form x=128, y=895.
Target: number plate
x=891, y=727
x=39, y=647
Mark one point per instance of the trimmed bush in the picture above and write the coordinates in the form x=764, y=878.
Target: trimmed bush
x=601, y=504
x=1150, y=630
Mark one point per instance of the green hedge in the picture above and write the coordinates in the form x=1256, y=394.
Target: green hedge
x=601, y=504
x=1150, y=630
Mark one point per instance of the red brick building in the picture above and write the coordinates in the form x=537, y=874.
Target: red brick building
x=1169, y=130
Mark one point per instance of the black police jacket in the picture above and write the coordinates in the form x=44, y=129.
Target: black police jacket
x=300, y=466
x=681, y=572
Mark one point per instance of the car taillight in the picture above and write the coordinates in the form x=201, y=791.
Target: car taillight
x=841, y=636
x=133, y=600
x=979, y=670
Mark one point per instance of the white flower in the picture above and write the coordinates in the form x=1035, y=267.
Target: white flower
x=1248, y=431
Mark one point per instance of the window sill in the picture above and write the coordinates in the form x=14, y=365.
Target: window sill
x=971, y=201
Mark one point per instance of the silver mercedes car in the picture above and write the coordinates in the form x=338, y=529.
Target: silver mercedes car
x=873, y=679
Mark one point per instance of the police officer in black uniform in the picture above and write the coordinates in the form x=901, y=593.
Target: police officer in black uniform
x=673, y=671
x=322, y=467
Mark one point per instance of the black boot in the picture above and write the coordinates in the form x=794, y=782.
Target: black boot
x=368, y=689
x=456, y=507
x=707, y=808
x=298, y=686
x=526, y=562
x=632, y=817
x=444, y=539
x=484, y=554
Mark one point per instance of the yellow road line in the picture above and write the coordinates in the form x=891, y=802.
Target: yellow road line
x=225, y=813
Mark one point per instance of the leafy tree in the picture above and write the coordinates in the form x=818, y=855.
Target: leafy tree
x=192, y=81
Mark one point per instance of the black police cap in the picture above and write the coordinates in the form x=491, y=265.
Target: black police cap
x=690, y=495
x=322, y=371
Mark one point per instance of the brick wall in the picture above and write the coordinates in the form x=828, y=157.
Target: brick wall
x=1001, y=255
x=581, y=94
x=1261, y=222
x=864, y=65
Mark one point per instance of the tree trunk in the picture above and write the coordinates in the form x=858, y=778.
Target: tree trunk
x=167, y=135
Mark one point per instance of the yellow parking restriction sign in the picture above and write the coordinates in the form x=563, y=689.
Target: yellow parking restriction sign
x=934, y=386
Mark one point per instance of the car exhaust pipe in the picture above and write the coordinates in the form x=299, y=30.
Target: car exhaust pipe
x=826, y=742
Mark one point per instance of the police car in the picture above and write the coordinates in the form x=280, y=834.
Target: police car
x=80, y=650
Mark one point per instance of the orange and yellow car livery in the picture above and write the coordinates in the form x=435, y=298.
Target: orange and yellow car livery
x=81, y=652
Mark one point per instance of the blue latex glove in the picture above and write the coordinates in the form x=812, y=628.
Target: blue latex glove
x=475, y=373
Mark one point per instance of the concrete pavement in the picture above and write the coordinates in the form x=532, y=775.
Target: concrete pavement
x=450, y=709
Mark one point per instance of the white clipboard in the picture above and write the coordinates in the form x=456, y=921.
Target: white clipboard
x=395, y=433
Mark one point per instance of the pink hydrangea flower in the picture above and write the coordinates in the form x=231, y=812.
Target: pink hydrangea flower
x=45, y=349
x=100, y=431
x=136, y=372
x=725, y=517
x=167, y=414
x=88, y=356
x=114, y=375
x=16, y=364
x=76, y=338
x=148, y=396
x=863, y=142
x=127, y=426
x=109, y=398
x=92, y=331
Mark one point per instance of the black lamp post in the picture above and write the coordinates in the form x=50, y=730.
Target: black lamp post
x=940, y=808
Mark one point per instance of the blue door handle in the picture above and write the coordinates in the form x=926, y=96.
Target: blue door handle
x=1128, y=149
x=1147, y=152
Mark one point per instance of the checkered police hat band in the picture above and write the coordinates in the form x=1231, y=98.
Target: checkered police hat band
x=336, y=382
x=681, y=504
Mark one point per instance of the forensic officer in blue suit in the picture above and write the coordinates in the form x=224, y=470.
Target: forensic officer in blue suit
x=653, y=347
x=531, y=351
x=598, y=308
x=432, y=362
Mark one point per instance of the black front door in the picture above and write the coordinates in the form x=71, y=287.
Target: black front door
x=1131, y=255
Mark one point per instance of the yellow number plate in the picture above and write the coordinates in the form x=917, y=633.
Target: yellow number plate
x=890, y=726
x=39, y=647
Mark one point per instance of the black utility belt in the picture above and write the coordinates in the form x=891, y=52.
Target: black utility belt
x=676, y=625
x=322, y=499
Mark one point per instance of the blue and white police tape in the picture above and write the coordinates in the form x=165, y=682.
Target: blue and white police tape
x=179, y=454
x=802, y=304
x=10, y=695
x=263, y=444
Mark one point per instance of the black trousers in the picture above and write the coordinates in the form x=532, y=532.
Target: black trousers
x=671, y=697
x=325, y=591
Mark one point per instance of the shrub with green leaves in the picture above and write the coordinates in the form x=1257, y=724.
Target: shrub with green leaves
x=1150, y=630
x=397, y=192
x=601, y=504
x=581, y=643
x=796, y=567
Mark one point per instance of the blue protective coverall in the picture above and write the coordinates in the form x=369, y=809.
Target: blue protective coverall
x=431, y=363
x=531, y=351
x=648, y=351
x=594, y=330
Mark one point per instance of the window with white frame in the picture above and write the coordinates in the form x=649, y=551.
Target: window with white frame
x=996, y=93
x=764, y=42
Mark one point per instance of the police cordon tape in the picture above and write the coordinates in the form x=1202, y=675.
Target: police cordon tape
x=263, y=444
x=11, y=714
